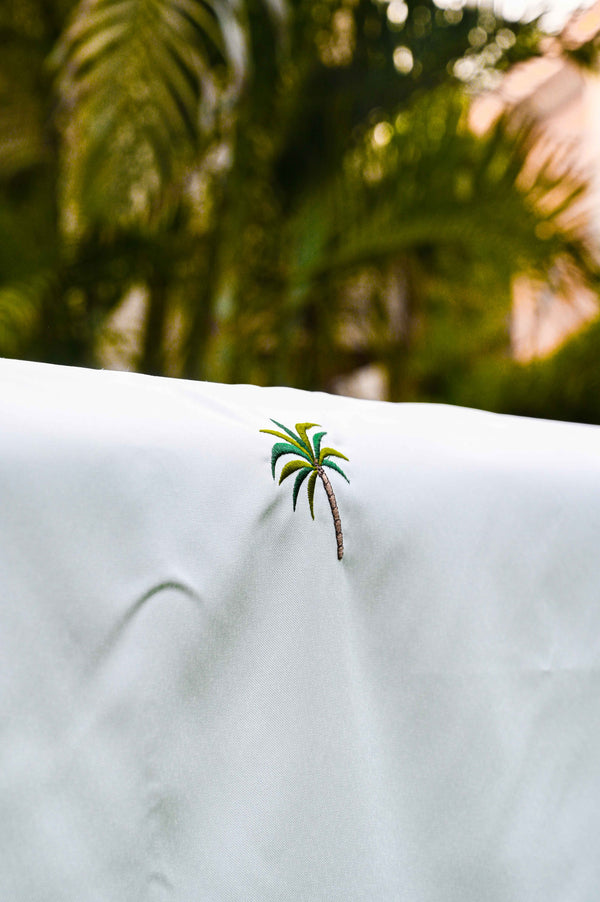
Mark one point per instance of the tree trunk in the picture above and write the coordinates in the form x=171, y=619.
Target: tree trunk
x=152, y=359
x=335, y=512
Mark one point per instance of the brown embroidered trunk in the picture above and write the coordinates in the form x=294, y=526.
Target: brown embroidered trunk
x=335, y=512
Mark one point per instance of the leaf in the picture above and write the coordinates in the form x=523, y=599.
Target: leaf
x=292, y=435
x=465, y=196
x=199, y=16
x=330, y=452
x=301, y=428
x=332, y=466
x=299, y=480
x=281, y=448
x=290, y=468
x=311, y=492
x=145, y=70
x=317, y=437
x=281, y=435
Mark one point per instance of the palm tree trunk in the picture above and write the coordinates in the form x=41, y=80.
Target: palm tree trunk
x=152, y=359
x=335, y=512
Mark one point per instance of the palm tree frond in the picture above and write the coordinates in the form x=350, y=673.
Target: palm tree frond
x=147, y=70
x=295, y=438
x=302, y=428
x=290, y=468
x=298, y=483
x=330, y=452
x=332, y=466
x=282, y=448
x=462, y=192
x=311, y=492
x=317, y=439
x=284, y=437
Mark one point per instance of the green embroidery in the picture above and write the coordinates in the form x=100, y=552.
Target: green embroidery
x=286, y=438
x=317, y=437
x=282, y=448
x=310, y=450
x=330, y=463
x=301, y=430
x=330, y=452
x=299, y=480
x=311, y=492
x=289, y=468
x=294, y=437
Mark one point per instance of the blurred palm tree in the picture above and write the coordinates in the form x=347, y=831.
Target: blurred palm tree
x=292, y=189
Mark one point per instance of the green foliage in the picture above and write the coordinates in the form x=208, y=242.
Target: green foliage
x=319, y=458
x=310, y=449
x=135, y=80
x=564, y=386
x=291, y=189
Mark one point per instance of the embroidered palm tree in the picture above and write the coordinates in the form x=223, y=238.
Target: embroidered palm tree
x=311, y=462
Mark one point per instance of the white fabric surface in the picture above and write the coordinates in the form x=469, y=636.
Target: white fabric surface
x=200, y=703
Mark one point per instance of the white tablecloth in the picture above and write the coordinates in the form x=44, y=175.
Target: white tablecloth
x=200, y=703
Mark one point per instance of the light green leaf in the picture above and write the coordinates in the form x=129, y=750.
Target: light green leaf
x=292, y=435
x=330, y=452
x=290, y=468
x=301, y=429
x=291, y=441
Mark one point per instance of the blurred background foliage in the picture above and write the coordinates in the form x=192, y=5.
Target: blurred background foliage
x=279, y=192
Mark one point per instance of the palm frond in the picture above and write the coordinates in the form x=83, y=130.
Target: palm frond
x=295, y=438
x=302, y=429
x=311, y=492
x=317, y=439
x=135, y=77
x=298, y=483
x=284, y=437
x=334, y=466
x=290, y=468
x=330, y=452
x=442, y=187
x=280, y=449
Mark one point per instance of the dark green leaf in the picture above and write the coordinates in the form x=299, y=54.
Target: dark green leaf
x=317, y=438
x=299, y=480
x=280, y=449
x=311, y=492
x=332, y=466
